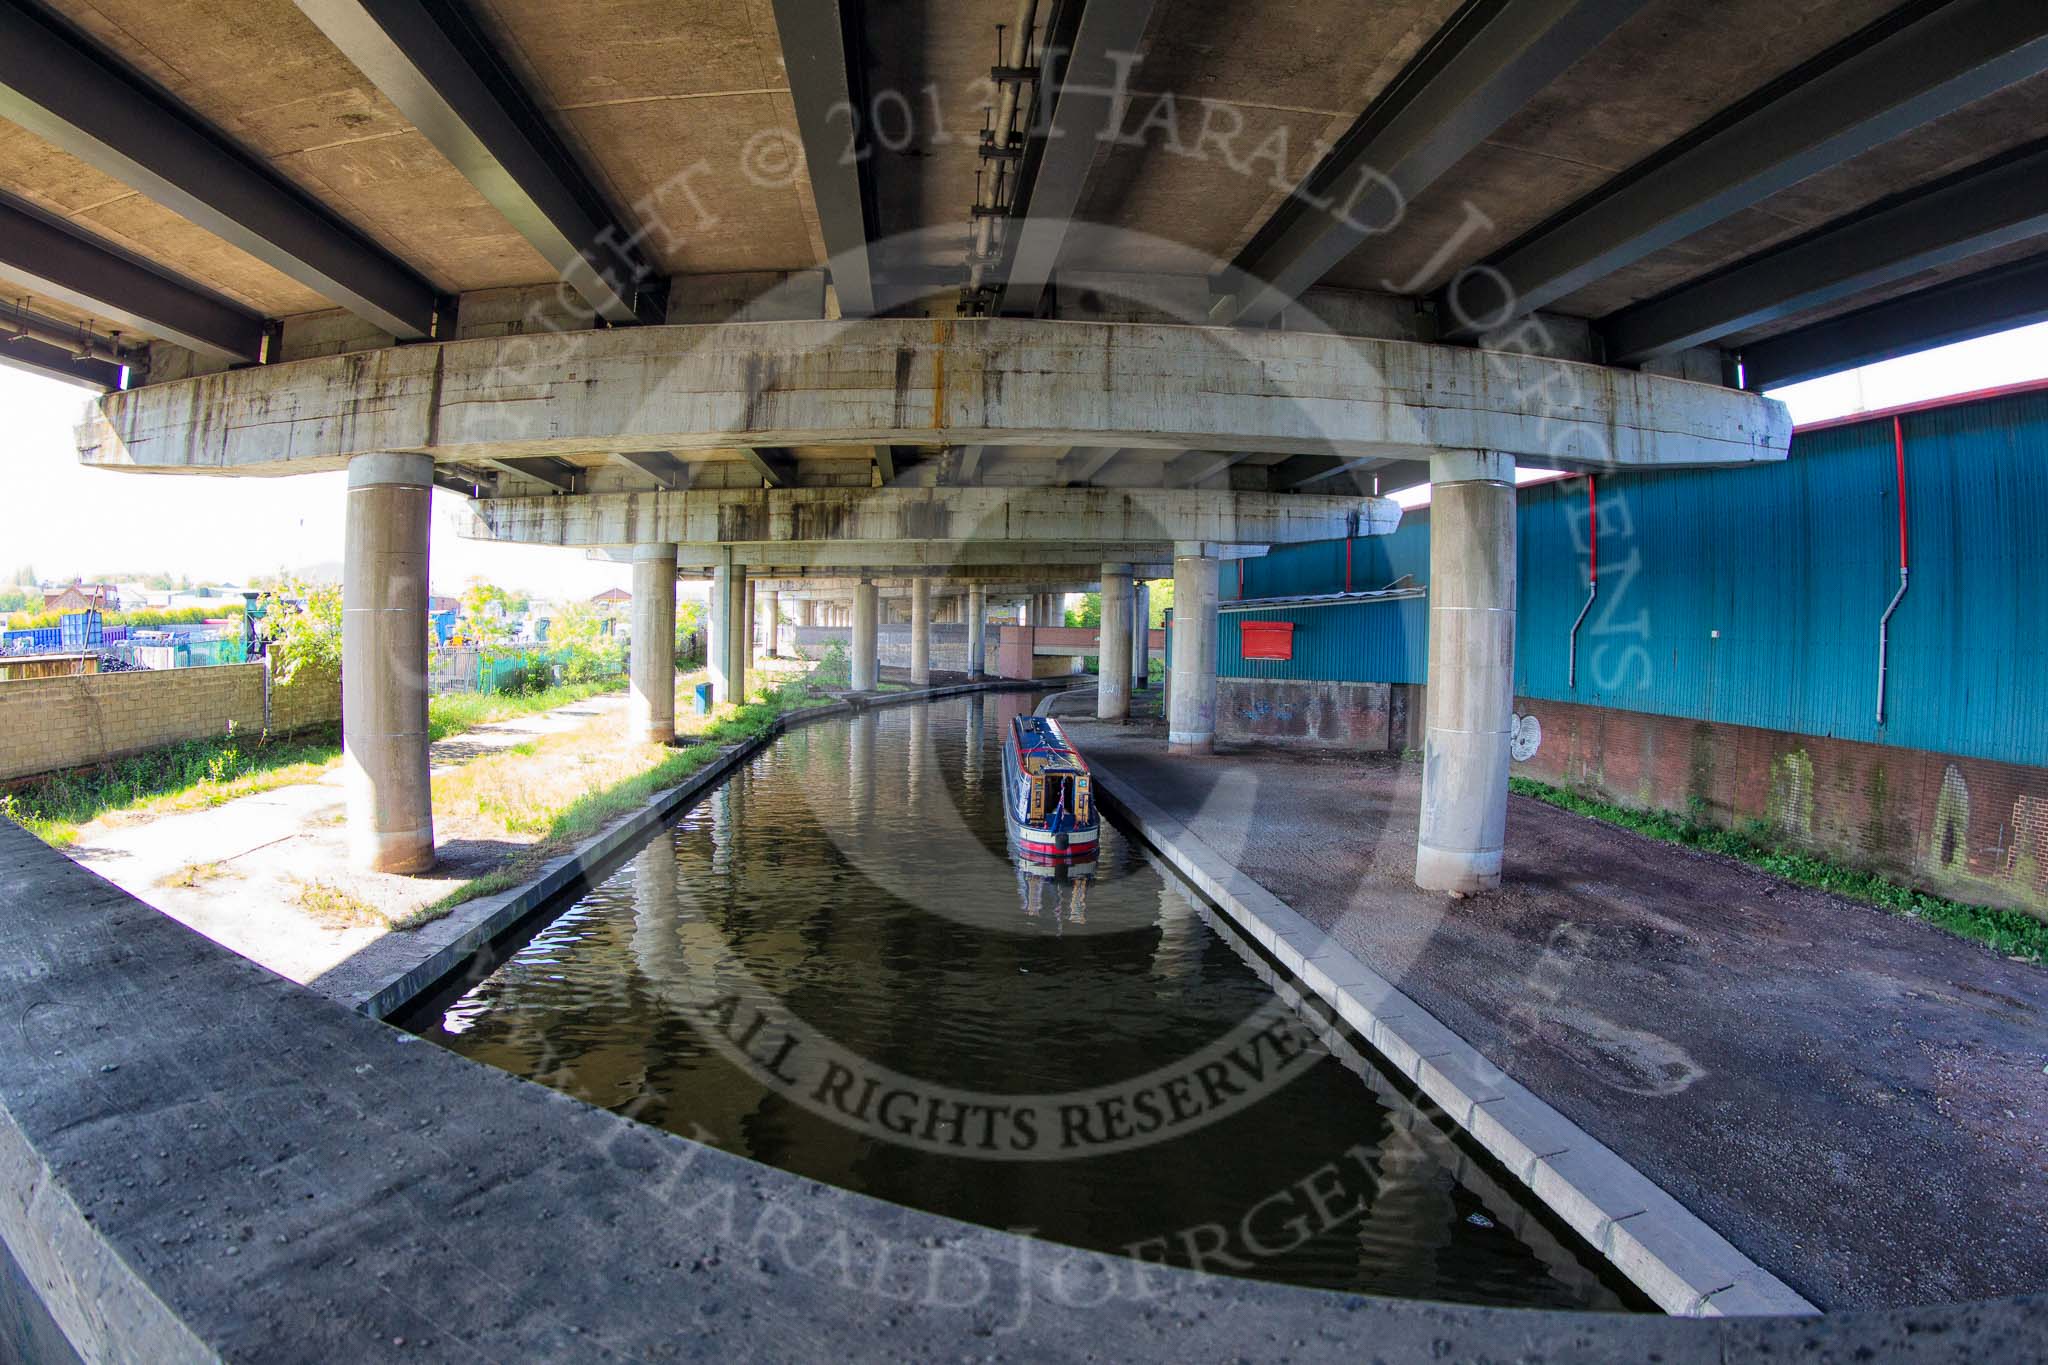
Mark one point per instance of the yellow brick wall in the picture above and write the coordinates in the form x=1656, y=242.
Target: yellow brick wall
x=49, y=724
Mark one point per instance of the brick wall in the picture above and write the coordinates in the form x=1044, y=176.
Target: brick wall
x=51, y=724
x=1965, y=828
x=1370, y=717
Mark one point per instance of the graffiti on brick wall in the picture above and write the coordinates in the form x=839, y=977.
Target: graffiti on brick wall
x=1525, y=737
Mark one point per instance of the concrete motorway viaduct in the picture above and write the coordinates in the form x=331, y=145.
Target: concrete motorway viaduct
x=971, y=452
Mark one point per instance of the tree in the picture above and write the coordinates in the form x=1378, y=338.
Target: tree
x=1089, y=613
x=1162, y=598
x=486, y=609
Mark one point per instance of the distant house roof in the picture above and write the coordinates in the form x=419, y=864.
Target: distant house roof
x=613, y=595
x=81, y=597
x=435, y=604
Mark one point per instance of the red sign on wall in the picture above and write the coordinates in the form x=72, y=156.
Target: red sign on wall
x=1266, y=639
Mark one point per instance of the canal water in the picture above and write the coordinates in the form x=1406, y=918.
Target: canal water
x=836, y=965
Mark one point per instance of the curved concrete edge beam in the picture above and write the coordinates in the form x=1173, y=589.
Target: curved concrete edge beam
x=886, y=517
x=140, y=1051
x=970, y=382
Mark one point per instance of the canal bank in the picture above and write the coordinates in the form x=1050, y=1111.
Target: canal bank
x=1856, y=1102
x=388, y=974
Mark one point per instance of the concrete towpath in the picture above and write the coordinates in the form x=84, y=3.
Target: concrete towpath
x=228, y=871
x=1855, y=1100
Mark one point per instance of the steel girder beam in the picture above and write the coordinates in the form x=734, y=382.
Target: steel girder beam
x=58, y=262
x=1489, y=62
x=1888, y=80
x=1993, y=300
x=55, y=362
x=665, y=469
x=56, y=85
x=822, y=50
x=1981, y=210
x=430, y=59
x=1085, y=108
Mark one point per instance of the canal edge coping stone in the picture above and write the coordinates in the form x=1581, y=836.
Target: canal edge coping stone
x=1666, y=1250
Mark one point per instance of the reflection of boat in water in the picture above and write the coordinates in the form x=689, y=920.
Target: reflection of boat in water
x=1048, y=796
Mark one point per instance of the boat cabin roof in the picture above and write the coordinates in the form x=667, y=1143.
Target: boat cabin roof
x=1042, y=746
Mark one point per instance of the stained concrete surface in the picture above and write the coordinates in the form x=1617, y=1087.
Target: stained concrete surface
x=254, y=852
x=1855, y=1100
x=296, y=1181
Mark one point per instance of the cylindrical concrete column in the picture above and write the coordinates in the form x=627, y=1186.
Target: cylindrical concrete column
x=1141, y=635
x=1191, y=714
x=651, y=705
x=1113, y=680
x=977, y=630
x=806, y=612
x=920, y=632
x=771, y=607
x=1471, y=671
x=728, y=651
x=743, y=674
x=384, y=663
x=866, y=617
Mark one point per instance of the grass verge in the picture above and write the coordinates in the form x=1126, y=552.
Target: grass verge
x=2012, y=932
x=571, y=805
x=196, y=774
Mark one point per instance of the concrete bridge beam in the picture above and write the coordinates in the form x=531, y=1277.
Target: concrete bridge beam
x=1191, y=713
x=1113, y=686
x=1471, y=672
x=651, y=704
x=384, y=663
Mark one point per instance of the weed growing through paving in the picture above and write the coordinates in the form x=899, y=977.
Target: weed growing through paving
x=2012, y=932
x=196, y=774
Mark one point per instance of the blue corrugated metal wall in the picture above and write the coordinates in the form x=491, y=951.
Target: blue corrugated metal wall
x=1751, y=596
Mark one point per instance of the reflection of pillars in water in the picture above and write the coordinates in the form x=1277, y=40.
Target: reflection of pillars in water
x=722, y=851
x=1411, y=1214
x=977, y=730
x=1178, y=953
x=920, y=758
x=860, y=771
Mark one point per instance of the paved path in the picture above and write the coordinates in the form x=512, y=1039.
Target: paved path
x=254, y=848
x=1855, y=1100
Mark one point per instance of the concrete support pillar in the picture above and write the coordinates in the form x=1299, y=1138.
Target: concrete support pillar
x=384, y=663
x=866, y=617
x=977, y=630
x=920, y=632
x=729, y=650
x=771, y=608
x=1471, y=671
x=651, y=705
x=1141, y=635
x=806, y=612
x=1113, y=682
x=1191, y=715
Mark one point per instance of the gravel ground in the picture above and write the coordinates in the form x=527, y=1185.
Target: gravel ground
x=1858, y=1101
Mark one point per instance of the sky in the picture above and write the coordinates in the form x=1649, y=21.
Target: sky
x=70, y=521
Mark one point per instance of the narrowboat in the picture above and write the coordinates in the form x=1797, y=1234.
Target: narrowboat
x=1047, y=792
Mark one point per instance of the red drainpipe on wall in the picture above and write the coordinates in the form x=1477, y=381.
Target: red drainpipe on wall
x=1592, y=576
x=1884, y=624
